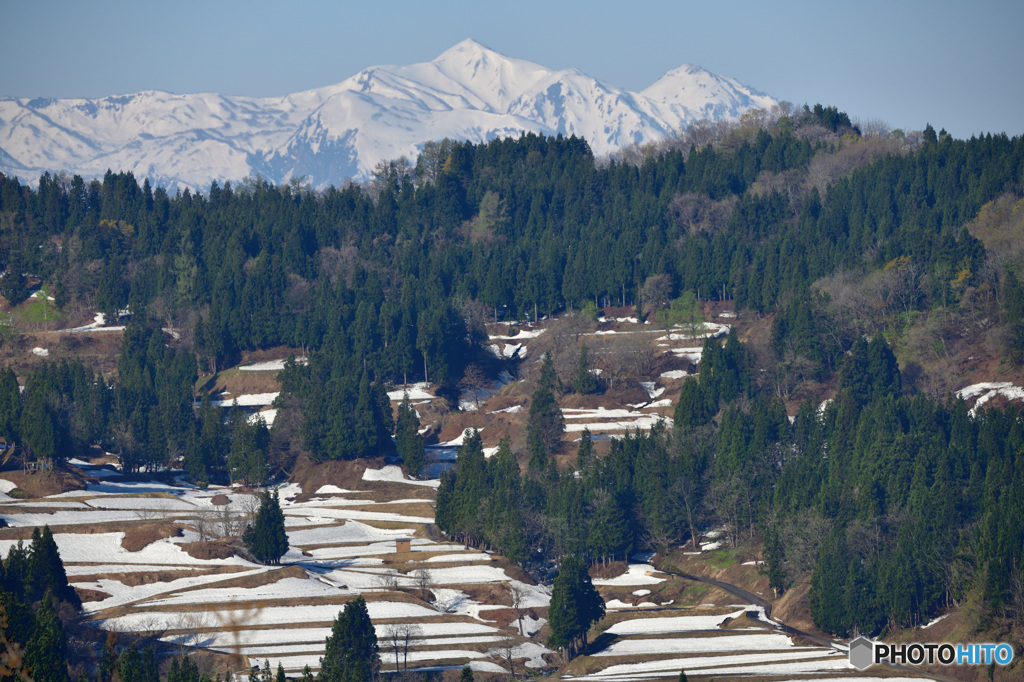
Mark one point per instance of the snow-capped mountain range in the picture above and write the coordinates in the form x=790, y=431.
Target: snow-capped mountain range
x=342, y=131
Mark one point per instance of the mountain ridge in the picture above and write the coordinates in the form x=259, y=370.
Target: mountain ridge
x=341, y=131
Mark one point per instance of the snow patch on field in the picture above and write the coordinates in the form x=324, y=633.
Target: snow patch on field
x=933, y=622
x=636, y=574
x=522, y=334
x=271, y=615
x=459, y=558
x=248, y=400
x=288, y=588
x=106, y=548
x=270, y=365
x=649, y=669
x=393, y=474
x=986, y=391
x=651, y=389
x=619, y=605
x=670, y=625
x=416, y=391
x=530, y=625
x=738, y=642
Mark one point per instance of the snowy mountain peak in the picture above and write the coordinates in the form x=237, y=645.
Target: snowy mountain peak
x=468, y=92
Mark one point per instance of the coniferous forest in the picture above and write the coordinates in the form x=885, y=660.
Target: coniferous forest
x=853, y=249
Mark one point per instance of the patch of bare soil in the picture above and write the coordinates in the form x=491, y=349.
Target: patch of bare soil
x=91, y=595
x=612, y=569
x=98, y=350
x=213, y=549
x=220, y=500
x=250, y=581
x=136, y=578
x=744, y=622
x=44, y=483
x=311, y=476
x=793, y=608
x=250, y=357
x=139, y=536
x=232, y=383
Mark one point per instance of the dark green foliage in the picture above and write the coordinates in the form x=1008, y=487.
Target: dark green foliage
x=575, y=606
x=12, y=283
x=466, y=675
x=46, y=570
x=345, y=415
x=408, y=440
x=583, y=380
x=545, y=423
x=266, y=539
x=248, y=454
x=351, y=652
x=832, y=118
x=134, y=665
x=1013, y=304
x=10, y=405
x=46, y=652
x=183, y=669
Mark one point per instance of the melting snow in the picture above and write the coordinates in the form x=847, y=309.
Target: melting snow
x=393, y=474
x=636, y=574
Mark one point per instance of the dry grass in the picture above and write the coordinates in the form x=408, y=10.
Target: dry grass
x=139, y=536
x=91, y=595
x=45, y=483
x=136, y=578
x=249, y=582
x=311, y=476
x=605, y=572
x=213, y=549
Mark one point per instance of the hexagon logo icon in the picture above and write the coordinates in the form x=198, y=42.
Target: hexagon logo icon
x=862, y=653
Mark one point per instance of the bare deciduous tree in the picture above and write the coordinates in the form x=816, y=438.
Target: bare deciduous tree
x=474, y=383
x=388, y=580
x=517, y=593
x=421, y=576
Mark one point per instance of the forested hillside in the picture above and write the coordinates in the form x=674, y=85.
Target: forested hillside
x=863, y=266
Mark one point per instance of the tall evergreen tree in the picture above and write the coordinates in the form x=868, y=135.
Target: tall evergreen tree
x=575, y=606
x=47, y=570
x=351, y=651
x=266, y=538
x=408, y=439
x=583, y=380
x=46, y=653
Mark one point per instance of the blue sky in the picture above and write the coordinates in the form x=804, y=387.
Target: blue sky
x=957, y=65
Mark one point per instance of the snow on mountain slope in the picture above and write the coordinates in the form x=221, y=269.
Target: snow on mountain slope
x=329, y=134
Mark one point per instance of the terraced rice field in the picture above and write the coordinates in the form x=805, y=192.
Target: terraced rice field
x=140, y=553
x=342, y=544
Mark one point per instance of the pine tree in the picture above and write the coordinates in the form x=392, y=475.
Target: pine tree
x=585, y=452
x=408, y=439
x=583, y=380
x=351, y=652
x=10, y=405
x=575, y=606
x=467, y=674
x=266, y=538
x=545, y=420
x=47, y=570
x=46, y=653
